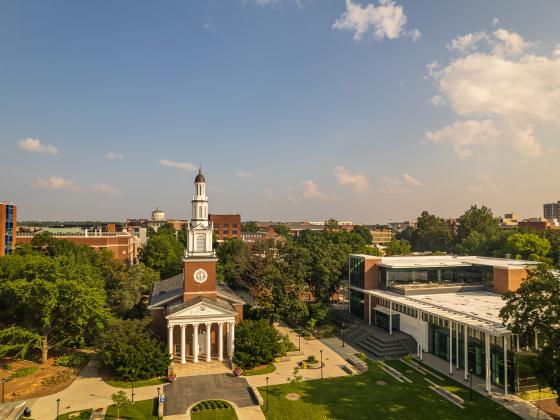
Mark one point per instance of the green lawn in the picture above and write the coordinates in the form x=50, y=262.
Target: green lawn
x=359, y=397
x=221, y=414
x=140, y=410
x=84, y=415
x=137, y=384
x=260, y=371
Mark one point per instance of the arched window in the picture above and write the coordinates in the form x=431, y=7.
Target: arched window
x=200, y=242
x=200, y=212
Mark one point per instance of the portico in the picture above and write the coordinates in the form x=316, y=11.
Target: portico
x=205, y=329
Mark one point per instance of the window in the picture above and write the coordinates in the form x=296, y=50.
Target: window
x=234, y=232
x=200, y=242
x=225, y=225
x=234, y=225
x=226, y=232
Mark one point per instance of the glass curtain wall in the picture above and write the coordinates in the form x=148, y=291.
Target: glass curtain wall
x=389, y=277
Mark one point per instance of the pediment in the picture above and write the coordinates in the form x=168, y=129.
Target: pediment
x=201, y=309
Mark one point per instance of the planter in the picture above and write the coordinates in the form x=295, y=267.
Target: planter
x=171, y=378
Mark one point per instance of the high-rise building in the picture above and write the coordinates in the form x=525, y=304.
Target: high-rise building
x=551, y=210
x=7, y=227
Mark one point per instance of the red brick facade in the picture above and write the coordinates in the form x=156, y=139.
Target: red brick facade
x=226, y=226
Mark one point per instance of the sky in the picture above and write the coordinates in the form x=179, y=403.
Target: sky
x=369, y=111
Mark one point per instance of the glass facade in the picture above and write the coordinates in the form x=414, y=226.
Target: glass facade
x=9, y=226
x=357, y=303
x=390, y=277
x=356, y=266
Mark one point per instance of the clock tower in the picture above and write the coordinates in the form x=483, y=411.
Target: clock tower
x=199, y=263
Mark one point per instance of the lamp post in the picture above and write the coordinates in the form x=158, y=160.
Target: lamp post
x=158, y=388
x=57, y=407
x=3, y=381
x=266, y=394
x=470, y=380
x=132, y=386
x=321, y=351
x=342, y=331
x=299, y=340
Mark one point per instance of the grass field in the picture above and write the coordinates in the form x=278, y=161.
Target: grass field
x=260, y=370
x=137, y=384
x=140, y=410
x=84, y=415
x=359, y=397
x=221, y=414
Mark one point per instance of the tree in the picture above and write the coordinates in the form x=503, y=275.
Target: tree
x=18, y=342
x=233, y=259
x=480, y=220
x=129, y=345
x=282, y=230
x=120, y=400
x=431, y=233
x=527, y=246
x=364, y=232
x=398, y=247
x=535, y=308
x=249, y=227
x=61, y=312
x=163, y=253
x=256, y=343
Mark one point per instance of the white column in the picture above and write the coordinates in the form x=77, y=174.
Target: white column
x=220, y=341
x=466, y=352
x=487, y=357
x=457, y=346
x=195, y=343
x=390, y=317
x=170, y=341
x=232, y=338
x=208, y=342
x=183, y=344
x=450, y=348
x=421, y=329
x=369, y=310
x=505, y=342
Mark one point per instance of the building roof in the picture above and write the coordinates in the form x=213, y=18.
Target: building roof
x=221, y=304
x=478, y=310
x=435, y=261
x=200, y=177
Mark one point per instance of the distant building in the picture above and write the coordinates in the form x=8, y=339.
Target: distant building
x=123, y=245
x=8, y=212
x=177, y=224
x=535, y=223
x=381, y=236
x=226, y=226
x=551, y=210
x=400, y=226
x=509, y=221
x=158, y=219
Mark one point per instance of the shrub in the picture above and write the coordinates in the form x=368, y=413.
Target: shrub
x=361, y=356
x=312, y=359
x=73, y=360
x=286, y=345
x=129, y=345
x=256, y=343
x=21, y=373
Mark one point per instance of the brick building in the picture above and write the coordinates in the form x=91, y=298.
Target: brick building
x=8, y=212
x=226, y=226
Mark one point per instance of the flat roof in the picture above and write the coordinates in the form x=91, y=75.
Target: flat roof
x=435, y=261
x=478, y=310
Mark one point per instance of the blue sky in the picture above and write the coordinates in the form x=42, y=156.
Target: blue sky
x=357, y=110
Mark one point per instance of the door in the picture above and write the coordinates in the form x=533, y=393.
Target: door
x=202, y=342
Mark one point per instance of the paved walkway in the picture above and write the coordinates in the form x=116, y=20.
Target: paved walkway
x=188, y=390
x=522, y=408
x=87, y=391
x=333, y=362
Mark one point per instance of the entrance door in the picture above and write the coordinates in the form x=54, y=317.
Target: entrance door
x=202, y=343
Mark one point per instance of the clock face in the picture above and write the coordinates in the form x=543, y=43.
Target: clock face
x=200, y=275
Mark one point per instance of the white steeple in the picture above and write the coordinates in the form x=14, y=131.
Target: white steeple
x=199, y=230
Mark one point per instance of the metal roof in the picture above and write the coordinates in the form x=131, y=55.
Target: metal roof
x=470, y=320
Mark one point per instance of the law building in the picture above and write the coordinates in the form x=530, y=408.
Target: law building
x=195, y=312
x=450, y=307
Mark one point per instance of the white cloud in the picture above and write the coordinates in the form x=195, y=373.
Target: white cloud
x=185, y=166
x=462, y=135
x=310, y=190
x=34, y=145
x=209, y=25
x=402, y=185
x=495, y=22
x=387, y=20
x=113, y=156
x=500, y=92
x=244, y=174
x=411, y=181
x=54, y=183
x=466, y=42
x=357, y=182
x=104, y=188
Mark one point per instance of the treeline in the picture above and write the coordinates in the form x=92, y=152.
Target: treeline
x=479, y=233
x=55, y=295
